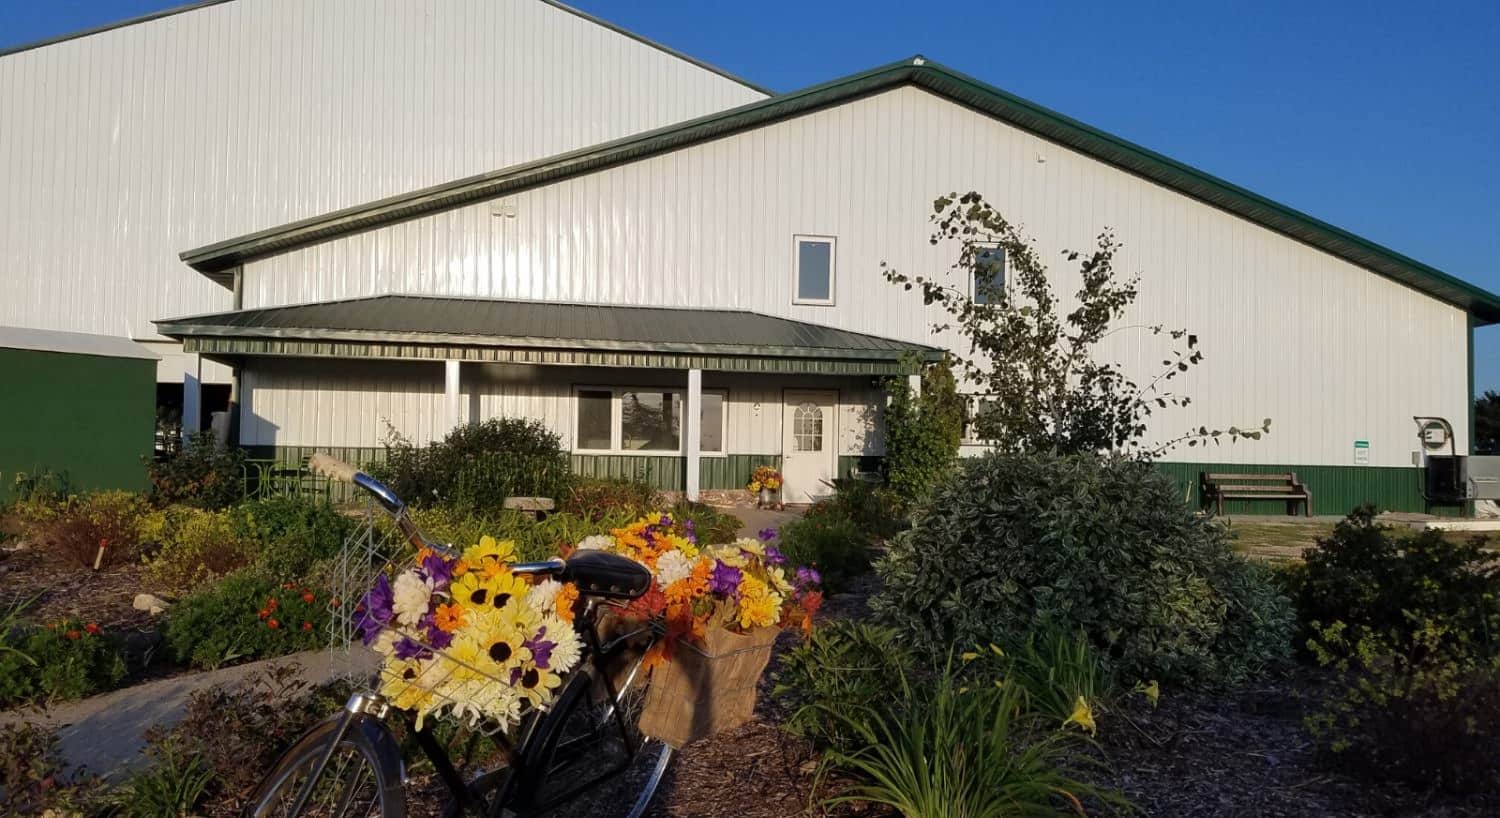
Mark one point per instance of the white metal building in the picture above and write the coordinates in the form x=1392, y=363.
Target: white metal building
x=684, y=303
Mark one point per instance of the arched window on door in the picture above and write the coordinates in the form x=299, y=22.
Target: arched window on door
x=807, y=427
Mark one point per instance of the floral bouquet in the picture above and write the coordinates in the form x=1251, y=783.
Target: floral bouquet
x=741, y=586
x=764, y=477
x=467, y=636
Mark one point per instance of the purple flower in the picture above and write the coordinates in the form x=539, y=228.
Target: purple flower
x=408, y=648
x=767, y=534
x=377, y=610
x=436, y=570
x=725, y=579
x=665, y=521
x=541, y=649
x=436, y=637
x=691, y=531
x=809, y=576
x=774, y=555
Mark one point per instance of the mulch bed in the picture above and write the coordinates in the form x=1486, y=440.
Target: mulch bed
x=68, y=590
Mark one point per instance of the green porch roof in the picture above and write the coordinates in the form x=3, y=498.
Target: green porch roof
x=215, y=260
x=414, y=327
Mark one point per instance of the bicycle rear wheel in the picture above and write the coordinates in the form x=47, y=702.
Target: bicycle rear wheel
x=586, y=764
x=361, y=780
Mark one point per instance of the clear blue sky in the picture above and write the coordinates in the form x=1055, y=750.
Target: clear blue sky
x=1381, y=117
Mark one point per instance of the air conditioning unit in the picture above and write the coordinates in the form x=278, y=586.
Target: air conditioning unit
x=1455, y=478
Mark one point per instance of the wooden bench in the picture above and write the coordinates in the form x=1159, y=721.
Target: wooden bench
x=537, y=508
x=1223, y=487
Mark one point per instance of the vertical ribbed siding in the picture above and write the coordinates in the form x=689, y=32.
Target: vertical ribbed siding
x=120, y=149
x=1329, y=351
x=1335, y=489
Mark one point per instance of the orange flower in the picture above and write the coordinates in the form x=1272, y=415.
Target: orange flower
x=307, y=626
x=563, y=602
x=308, y=597
x=264, y=613
x=448, y=618
x=335, y=602
x=92, y=627
x=74, y=635
x=272, y=624
x=459, y=568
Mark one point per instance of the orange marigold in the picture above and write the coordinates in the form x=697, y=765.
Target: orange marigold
x=563, y=602
x=448, y=618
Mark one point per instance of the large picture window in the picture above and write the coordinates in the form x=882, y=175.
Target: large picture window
x=643, y=420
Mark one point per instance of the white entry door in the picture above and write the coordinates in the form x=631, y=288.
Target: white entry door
x=809, y=444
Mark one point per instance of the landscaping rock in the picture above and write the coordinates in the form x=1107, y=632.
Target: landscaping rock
x=151, y=604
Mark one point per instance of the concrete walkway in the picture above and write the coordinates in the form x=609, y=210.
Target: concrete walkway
x=754, y=519
x=105, y=733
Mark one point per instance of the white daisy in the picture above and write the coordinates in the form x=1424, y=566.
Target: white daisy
x=543, y=596
x=672, y=566
x=412, y=595
x=597, y=542
x=569, y=648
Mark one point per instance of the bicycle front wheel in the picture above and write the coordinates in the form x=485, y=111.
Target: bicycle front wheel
x=587, y=764
x=362, y=778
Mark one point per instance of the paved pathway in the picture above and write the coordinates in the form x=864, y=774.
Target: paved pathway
x=105, y=733
x=754, y=519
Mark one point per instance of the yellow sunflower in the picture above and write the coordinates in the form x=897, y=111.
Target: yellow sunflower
x=499, y=642
x=536, y=684
x=476, y=591
x=490, y=556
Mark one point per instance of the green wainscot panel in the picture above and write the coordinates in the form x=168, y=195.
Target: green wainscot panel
x=1335, y=489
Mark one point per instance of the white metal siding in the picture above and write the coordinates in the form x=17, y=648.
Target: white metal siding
x=1330, y=351
x=121, y=149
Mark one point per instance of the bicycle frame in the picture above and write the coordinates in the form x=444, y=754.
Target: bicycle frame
x=523, y=756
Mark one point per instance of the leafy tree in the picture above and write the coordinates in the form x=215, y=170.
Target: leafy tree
x=1487, y=423
x=922, y=430
x=1045, y=389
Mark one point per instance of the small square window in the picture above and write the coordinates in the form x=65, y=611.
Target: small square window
x=595, y=422
x=814, y=270
x=989, y=274
x=650, y=421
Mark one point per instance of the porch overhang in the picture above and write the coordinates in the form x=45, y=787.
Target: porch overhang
x=426, y=328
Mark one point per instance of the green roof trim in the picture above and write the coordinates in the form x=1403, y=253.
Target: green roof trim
x=548, y=333
x=216, y=259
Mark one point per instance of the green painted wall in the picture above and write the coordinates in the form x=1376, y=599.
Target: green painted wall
x=90, y=418
x=1335, y=489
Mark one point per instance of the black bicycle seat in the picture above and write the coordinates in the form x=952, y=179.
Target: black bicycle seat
x=597, y=573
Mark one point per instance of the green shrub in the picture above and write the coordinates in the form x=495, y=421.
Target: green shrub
x=204, y=474
x=195, y=545
x=34, y=780
x=291, y=533
x=478, y=465
x=246, y=615
x=1408, y=625
x=948, y=751
x=75, y=528
x=922, y=431
x=1374, y=582
x=837, y=547
x=1106, y=547
x=534, y=540
x=595, y=499
x=876, y=510
x=843, y=665
x=64, y=660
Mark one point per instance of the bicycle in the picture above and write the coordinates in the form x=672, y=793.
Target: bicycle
x=584, y=742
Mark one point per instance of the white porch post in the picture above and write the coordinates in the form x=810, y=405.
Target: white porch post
x=192, y=399
x=692, y=428
x=452, y=408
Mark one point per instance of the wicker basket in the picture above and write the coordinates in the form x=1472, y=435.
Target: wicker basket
x=706, y=690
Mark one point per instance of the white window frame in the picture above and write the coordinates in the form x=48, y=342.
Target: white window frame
x=616, y=421
x=974, y=273
x=833, y=267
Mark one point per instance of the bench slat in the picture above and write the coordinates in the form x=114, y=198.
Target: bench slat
x=1223, y=487
x=1243, y=496
x=1219, y=478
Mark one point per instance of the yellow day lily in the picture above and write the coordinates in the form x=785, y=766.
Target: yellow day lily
x=969, y=656
x=1153, y=692
x=1083, y=716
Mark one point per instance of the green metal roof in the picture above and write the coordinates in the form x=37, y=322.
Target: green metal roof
x=216, y=259
x=430, y=327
